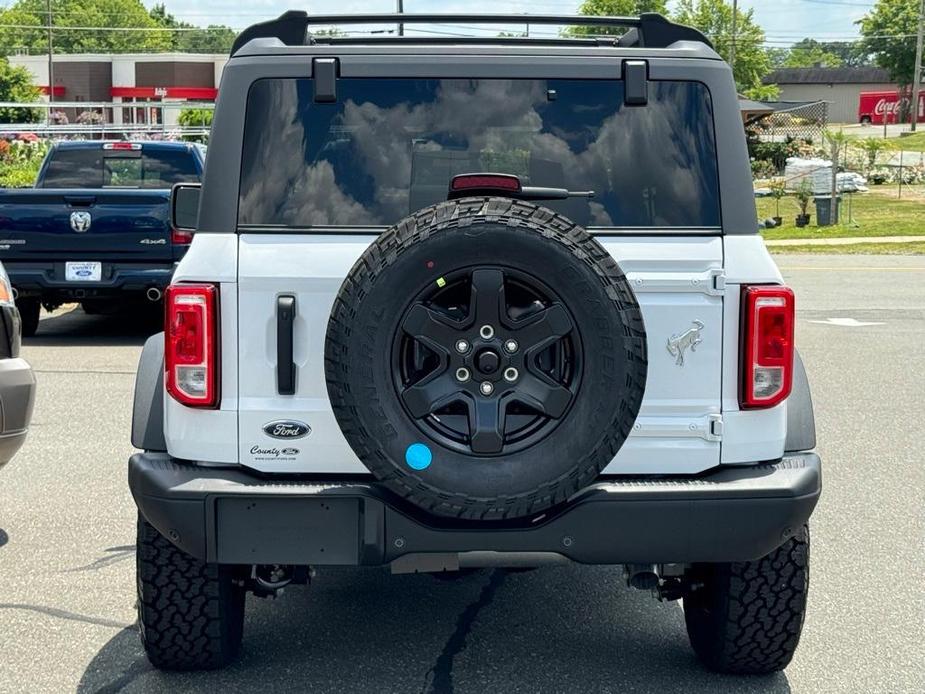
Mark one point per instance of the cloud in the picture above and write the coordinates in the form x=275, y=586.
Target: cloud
x=643, y=163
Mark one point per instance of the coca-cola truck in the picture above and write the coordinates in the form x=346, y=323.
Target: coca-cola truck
x=877, y=107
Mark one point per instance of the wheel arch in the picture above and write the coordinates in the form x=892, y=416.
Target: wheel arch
x=801, y=421
x=148, y=408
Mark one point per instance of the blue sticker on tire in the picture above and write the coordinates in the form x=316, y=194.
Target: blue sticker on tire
x=418, y=456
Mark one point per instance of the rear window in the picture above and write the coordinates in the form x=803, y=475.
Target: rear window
x=389, y=147
x=99, y=168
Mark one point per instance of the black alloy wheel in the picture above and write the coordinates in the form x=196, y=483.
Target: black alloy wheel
x=487, y=361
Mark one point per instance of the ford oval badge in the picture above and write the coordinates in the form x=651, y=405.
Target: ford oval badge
x=287, y=429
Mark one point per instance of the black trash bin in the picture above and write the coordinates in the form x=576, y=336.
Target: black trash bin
x=824, y=210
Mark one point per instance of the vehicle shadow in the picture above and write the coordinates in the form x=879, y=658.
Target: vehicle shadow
x=563, y=629
x=128, y=327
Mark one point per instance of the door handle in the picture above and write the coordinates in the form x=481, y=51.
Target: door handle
x=285, y=366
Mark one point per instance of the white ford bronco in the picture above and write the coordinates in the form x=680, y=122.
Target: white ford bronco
x=475, y=302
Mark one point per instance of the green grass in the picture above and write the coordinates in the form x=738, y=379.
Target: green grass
x=910, y=143
x=878, y=213
x=873, y=248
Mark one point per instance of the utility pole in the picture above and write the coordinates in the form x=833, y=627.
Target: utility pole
x=732, y=45
x=917, y=75
x=51, y=63
x=401, y=10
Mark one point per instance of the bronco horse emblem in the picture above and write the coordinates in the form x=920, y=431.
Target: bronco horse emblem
x=689, y=338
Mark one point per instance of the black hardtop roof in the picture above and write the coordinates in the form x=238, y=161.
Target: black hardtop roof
x=649, y=30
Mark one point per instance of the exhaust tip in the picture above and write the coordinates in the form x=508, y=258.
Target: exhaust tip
x=153, y=294
x=15, y=293
x=642, y=576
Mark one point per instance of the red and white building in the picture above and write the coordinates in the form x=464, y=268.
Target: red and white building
x=168, y=78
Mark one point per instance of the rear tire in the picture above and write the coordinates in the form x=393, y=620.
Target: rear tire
x=29, y=310
x=746, y=617
x=191, y=613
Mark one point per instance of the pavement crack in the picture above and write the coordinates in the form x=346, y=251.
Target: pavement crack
x=116, y=555
x=439, y=678
x=64, y=614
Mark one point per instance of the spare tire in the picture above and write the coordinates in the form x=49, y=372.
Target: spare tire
x=485, y=358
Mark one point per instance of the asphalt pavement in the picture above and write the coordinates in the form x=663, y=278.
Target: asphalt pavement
x=67, y=556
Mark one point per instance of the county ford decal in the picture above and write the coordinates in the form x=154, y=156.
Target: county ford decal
x=274, y=454
x=287, y=429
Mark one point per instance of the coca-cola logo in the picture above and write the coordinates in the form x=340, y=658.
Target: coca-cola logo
x=885, y=107
x=287, y=429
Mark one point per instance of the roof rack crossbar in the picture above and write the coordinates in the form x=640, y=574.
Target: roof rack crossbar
x=650, y=30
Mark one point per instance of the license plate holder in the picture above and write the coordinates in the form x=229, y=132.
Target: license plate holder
x=83, y=271
x=298, y=530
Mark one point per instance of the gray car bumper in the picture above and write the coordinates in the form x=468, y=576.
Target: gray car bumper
x=17, y=396
x=232, y=517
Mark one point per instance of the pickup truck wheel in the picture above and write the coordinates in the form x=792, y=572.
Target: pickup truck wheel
x=745, y=618
x=29, y=310
x=486, y=358
x=191, y=613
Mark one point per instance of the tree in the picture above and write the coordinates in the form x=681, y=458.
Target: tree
x=889, y=31
x=811, y=53
x=17, y=22
x=851, y=53
x=778, y=57
x=192, y=39
x=714, y=18
x=762, y=92
x=614, y=8
x=16, y=85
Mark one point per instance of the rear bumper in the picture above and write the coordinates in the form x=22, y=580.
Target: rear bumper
x=46, y=279
x=17, y=397
x=232, y=517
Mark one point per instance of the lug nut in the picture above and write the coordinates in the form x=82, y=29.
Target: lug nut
x=462, y=346
x=510, y=346
x=487, y=332
x=486, y=388
x=462, y=374
x=511, y=374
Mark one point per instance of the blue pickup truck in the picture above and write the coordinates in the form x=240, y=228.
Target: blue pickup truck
x=95, y=228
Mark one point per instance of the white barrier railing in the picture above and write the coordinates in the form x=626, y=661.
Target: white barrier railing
x=118, y=118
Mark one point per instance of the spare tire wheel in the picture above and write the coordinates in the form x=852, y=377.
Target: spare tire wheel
x=485, y=358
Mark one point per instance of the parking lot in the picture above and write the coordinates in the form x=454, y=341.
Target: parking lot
x=67, y=554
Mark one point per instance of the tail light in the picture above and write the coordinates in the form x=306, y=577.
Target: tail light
x=182, y=237
x=190, y=352
x=767, y=350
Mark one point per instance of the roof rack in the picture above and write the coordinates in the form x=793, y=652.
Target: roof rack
x=649, y=30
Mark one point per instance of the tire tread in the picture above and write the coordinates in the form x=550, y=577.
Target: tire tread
x=749, y=616
x=189, y=612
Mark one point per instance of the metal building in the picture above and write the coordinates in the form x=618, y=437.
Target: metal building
x=841, y=87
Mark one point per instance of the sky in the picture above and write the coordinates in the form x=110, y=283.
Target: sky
x=784, y=21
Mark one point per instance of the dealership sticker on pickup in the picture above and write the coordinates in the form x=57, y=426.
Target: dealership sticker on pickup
x=83, y=272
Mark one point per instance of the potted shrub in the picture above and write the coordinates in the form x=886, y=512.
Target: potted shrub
x=879, y=177
x=778, y=190
x=804, y=196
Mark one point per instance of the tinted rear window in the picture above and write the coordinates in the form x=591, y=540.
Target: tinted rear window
x=99, y=168
x=389, y=147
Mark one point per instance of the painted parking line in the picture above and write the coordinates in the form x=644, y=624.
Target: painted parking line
x=845, y=322
x=784, y=268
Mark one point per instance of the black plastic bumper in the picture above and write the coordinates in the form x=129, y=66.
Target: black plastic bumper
x=47, y=279
x=229, y=516
x=232, y=517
